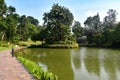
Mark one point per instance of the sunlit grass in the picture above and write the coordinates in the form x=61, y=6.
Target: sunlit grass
x=4, y=48
x=29, y=43
x=5, y=45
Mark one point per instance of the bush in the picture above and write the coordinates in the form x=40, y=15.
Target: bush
x=23, y=43
x=29, y=43
x=37, y=70
x=5, y=44
x=62, y=45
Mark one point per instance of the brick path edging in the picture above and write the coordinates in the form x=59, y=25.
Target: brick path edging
x=11, y=68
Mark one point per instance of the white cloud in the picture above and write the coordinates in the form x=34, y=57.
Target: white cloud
x=118, y=17
x=90, y=13
x=102, y=14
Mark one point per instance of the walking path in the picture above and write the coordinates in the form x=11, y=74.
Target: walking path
x=11, y=69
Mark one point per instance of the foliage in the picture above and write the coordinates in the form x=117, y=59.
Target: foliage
x=62, y=44
x=93, y=23
x=92, y=26
x=116, y=35
x=5, y=44
x=57, y=27
x=4, y=48
x=13, y=27
x=98, y=39
x=57, y=23
x=37, y=70
x=110, y=19
x=29, y=43
x=107, y=32
x=40, y=35
x=77, y=29
x=27, y=27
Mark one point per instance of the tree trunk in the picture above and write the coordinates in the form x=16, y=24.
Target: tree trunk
x=3, y=36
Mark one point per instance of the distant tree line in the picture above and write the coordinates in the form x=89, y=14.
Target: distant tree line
x=14, y=27
x=101, y=34
x=106, y=33
x=58, y=28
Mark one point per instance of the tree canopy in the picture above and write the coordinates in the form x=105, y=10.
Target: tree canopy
x=57, y=22
x=77, y=29
x=14, y=27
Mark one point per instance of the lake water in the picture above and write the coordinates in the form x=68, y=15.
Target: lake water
x=77, y=64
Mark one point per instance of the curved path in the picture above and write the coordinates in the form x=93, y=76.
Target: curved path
x=11, y=69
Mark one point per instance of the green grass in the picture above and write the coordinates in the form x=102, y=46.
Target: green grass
x=29, y=43
x=4, y=48
x=62, y=45
x=5, y=45
x=36, y=70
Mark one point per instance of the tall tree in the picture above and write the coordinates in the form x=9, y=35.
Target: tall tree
x=3, y=8
x=58, y=22
x=110, y=19
x=92, y=26
x=27, y=27
x=22, y=28
x=33, y=20
x=3, y=27
x=116, y=36
x=93, y=23
x=12, y=23
x=77, y=29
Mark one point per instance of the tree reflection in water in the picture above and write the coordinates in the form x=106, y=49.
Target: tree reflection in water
x=95, y=64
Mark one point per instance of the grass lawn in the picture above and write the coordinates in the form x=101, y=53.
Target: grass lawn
x=4, y=48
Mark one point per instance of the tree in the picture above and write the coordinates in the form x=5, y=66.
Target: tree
x=33, y=20
x=116, y=35
x=40, y=34
x=3, y=27
x=3, y=8
x=93, y=23
x=58, y=22
x=92, y=26
x=110, y=19
x=27, y=27
x=77, y=29
x=11, y=23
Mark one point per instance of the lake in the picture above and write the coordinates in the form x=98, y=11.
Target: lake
x=77, y=64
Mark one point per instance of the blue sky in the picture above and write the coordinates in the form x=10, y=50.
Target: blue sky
x=81, y=9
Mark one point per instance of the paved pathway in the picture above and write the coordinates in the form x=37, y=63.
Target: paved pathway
x=11, y=69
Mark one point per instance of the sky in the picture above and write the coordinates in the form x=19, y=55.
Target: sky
x=81, y=9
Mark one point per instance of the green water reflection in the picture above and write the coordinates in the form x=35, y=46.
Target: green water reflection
x=78, y=64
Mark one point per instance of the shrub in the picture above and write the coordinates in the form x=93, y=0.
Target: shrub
x=37, y=70
x=5, y=44
x=29, y=43
x=23, y=43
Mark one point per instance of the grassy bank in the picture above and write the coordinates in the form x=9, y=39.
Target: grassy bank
x=5, y=45
x=75, y=45
x=38, y=44
x=56, y=45
x=4, y=48
x=36, y=70
x=29, y=43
